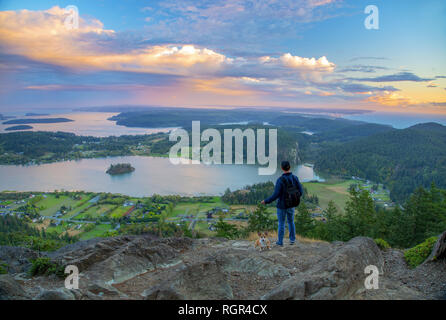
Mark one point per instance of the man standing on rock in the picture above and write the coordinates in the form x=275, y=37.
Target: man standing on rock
x=288, y=191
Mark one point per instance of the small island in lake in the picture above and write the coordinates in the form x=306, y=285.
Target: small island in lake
x=120, y=168
x=43, y=120
x=20, y=127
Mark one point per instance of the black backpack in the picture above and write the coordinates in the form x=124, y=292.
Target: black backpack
x=292, y=193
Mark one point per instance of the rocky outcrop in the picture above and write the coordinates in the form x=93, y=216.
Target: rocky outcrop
x=59, y=294
x=10, y=289
x=439, y=250
x=18, y=259
x=338, y=277
x=203, y=280
x=117, y=259
x=144, y=267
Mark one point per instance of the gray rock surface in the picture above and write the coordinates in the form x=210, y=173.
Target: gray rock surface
x=59, y=294
x=144, y=267
x=18, y=259
x=337, y=277
x=10, y=289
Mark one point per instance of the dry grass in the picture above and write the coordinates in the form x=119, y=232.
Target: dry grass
x=272, y=235
x=45, y=224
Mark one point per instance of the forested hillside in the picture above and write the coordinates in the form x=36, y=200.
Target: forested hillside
x=402, y=159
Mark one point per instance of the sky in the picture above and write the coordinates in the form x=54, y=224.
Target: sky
x=224, y=53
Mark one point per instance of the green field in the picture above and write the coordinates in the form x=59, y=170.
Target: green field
x=191, y=208
x=82, y=205
x=331, y=190
x=98, y=231
x=51, y=204
x=96, y=211
x=119, y=212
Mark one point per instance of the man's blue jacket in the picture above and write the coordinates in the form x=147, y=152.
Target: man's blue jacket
x=279, y=190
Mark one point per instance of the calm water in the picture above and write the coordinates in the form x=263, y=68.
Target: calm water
x=398, y=120
x=86, y=124
x=152, y=175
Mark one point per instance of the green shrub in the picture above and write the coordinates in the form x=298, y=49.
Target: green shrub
x=416, y=255
x=3, y=268
x=226, y=230
x=260, y=220
x=382, y=244
x=44, y=266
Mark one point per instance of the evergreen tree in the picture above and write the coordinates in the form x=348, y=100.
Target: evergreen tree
x=303, y=221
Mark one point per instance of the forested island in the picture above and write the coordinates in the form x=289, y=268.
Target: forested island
x=37, y=120
x=120, y=168
x=20, y=127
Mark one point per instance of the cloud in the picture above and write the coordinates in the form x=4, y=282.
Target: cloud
x=296, y=62
x=393, y=99
x=361, y=88
x=401, y=76
x=362, y=68
x=439, y=104
x=42, y=36
x=227, y=23
x=369, y=58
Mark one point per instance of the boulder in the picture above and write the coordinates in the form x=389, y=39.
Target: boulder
x=203, y=280
x=439, y=250
x=18, y=259
x=10, y=289
x=338, y=277
x=58, y=294
x=113, y=260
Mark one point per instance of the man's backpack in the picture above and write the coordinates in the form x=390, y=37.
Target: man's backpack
x=292, y=194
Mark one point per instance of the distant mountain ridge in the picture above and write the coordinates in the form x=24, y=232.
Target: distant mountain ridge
x=402, y=158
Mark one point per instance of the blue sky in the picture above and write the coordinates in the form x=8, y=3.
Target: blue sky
x=308, y=53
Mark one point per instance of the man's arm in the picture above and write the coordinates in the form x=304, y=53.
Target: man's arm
x=276, y=193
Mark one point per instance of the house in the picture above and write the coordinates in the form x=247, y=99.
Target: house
x=128, y=204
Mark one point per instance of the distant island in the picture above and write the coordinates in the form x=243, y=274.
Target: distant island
x=20, y=127
x=30, y=114
x=120, y=168
x=2, y=117
x=45, y=120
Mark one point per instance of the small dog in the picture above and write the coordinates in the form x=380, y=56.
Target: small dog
x=263, y=241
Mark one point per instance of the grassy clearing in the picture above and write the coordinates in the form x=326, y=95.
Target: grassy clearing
x=98, y=231
x=119, y=212
x=191, y=208
x=51, y=204
x=76, y=211
x=96, y=211
x=331, y=190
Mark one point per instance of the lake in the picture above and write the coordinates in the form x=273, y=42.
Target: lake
x=152, y=175
x=86, y=124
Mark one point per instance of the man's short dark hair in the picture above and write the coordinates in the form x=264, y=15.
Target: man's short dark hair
x=285, y=165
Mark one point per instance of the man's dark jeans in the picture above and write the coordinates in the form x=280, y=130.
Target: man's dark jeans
x=287, y=214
